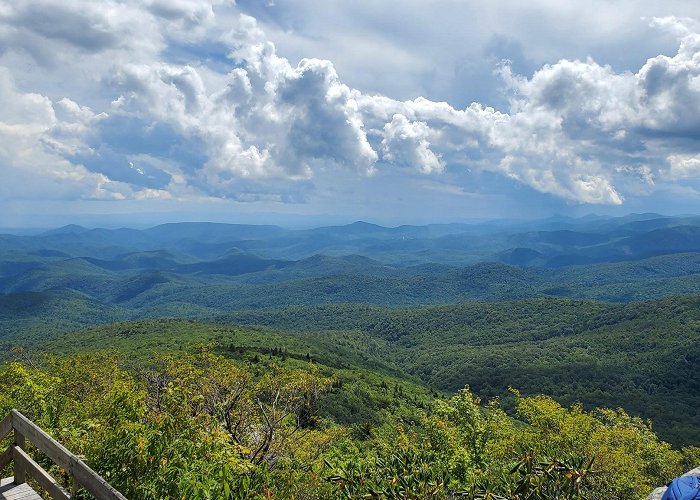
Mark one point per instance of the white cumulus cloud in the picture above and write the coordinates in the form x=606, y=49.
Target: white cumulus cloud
x=408, y=143
x=189, y=98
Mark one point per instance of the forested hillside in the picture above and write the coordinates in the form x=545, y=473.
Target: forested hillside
x=195, y=424
x=197, y=270
x=350, y=348
x=639, y=356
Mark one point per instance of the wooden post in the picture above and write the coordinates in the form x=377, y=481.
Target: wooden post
x=20, y=469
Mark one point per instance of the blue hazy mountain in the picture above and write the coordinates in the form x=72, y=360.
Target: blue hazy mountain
x=207, y=267
x=588, y=299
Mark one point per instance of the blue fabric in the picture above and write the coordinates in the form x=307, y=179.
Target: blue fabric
x=683, y=488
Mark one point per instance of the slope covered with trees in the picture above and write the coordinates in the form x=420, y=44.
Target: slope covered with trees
x=200, y=425
x=220, y=360
x=639, y=356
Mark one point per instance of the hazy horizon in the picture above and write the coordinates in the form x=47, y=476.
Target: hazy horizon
x=410, y=112
x=312, y=222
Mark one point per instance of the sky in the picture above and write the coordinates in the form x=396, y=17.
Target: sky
x=292, y=111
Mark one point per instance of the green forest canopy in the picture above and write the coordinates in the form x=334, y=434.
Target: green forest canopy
x=201, y=425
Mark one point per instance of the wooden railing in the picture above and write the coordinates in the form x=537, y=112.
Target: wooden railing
x=80, y=474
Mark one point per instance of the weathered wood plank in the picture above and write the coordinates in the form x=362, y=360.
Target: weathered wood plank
x=42, y=477
x=84, y=475
x=91, y=481
x=54, y=450
x=11, y=491
x=20, y=472
x=6, y=426
x=6, y=457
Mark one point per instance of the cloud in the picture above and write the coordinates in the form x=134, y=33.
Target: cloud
x=683, y=167
x=599, y=122
x=671, y=86
x=37, y=136
x=408, y=143
x=189, y=12
x=53, y=31
x=267, y=129
x=265, y=121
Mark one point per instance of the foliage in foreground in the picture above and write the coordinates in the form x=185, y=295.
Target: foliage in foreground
x=204, y=426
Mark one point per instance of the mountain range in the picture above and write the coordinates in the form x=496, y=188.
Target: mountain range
x=599, y=310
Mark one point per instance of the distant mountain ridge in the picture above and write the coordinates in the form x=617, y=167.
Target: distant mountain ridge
x=637, y=257
x=559, y=240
